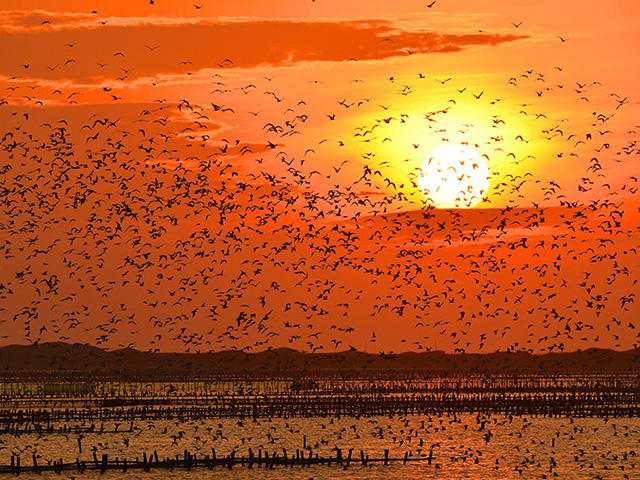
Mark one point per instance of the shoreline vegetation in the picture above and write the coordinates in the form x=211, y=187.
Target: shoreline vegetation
x=63, y=383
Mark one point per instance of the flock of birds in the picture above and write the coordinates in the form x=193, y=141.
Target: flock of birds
x=156, y=228
x=160, y=226
x=491, y=446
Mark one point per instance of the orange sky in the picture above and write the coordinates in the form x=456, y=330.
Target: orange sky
x=242, y=174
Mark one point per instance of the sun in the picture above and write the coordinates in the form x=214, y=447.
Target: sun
x=454, y=176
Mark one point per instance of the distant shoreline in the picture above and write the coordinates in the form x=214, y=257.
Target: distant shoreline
x=62, y=359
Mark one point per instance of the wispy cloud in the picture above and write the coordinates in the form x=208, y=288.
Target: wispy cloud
x=79, y=47
x=18, y=21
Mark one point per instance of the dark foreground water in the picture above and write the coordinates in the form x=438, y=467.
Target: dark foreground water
x=464, y=446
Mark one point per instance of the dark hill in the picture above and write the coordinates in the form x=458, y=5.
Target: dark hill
x=62, y=358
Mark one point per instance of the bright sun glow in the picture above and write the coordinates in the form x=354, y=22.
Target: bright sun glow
x=454, y=177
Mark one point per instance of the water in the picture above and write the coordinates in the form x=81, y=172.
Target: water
x=464, y=446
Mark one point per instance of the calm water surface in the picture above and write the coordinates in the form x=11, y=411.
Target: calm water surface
x=464, y=446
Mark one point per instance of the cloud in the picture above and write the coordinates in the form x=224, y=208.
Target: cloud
x=32, y=20
x=130, y=48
